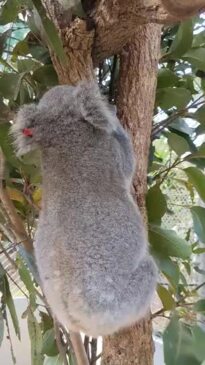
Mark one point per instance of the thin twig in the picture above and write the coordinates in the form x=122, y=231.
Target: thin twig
x=62, y=348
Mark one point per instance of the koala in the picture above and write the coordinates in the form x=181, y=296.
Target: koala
x=90, y=245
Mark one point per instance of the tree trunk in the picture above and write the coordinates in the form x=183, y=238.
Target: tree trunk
x=135, y=102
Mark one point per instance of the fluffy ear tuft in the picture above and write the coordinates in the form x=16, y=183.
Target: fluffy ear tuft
x=93, y=108
x=25, y=120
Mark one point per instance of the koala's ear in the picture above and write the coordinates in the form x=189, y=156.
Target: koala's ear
x=23, y=129
x=94, y=108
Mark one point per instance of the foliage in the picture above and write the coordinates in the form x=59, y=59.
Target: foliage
x=177, y=159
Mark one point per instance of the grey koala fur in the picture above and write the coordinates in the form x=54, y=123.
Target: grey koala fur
x=90, y=246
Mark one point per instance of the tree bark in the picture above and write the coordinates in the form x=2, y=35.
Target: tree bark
x=107, y=28
x=135, y=102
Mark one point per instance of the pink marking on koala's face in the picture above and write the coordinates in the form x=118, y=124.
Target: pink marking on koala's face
x=28, y=132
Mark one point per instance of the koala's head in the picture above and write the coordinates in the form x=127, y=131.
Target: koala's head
x=61, y=112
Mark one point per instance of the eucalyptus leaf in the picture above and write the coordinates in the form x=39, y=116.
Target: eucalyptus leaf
x=196, y=56
x=165, y=297
x=49, y=347
x=51, y=32
x=166, y=242
x=199, y=306
x=156, y=204
x=178, y=144
x=183, y=39
x=197, y=179
x=198, y=215
x=35, y=335
x=166, y=78
x=1, y=327
x=171, y=97
x=7, y=297
x=9, y=11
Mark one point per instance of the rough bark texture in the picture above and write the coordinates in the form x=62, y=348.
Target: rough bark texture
x=108, y=27
x=136, y=95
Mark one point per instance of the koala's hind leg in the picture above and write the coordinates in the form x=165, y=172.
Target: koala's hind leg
x=139, y=291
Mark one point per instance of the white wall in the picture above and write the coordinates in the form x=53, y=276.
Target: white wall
x=22, y=348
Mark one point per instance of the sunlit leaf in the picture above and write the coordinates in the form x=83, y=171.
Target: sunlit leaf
x=178, y=344
x=11, y=307
x=165, y=297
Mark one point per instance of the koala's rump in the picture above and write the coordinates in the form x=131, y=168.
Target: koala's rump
x=86, y=257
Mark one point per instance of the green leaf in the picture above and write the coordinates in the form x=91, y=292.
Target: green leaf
x=199, y=306
x=199, y=39
x=57, y=360
x=197, y=179
x=169, y=268
x=200, y=115
x=10, y=84
x=46, y=75
x=156, y=204
x=183, y=40
x=27, y=280
x=49, y=343
x=166, y=242
x=173, y=96
x=165, y=297
x=35, y=335
x=196, y=56
x=198, y=215
x=9, y=11
x=198, y=154
x=10, y=304
x=198, y=343
x=178, y=344
x=166, y=78
x=178, y=144
x=51, y=32
x=46, y=321
x=27, y=65
x=1, y=327
x=6, y=145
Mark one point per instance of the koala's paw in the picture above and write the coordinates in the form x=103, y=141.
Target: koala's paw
x=22, y=130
